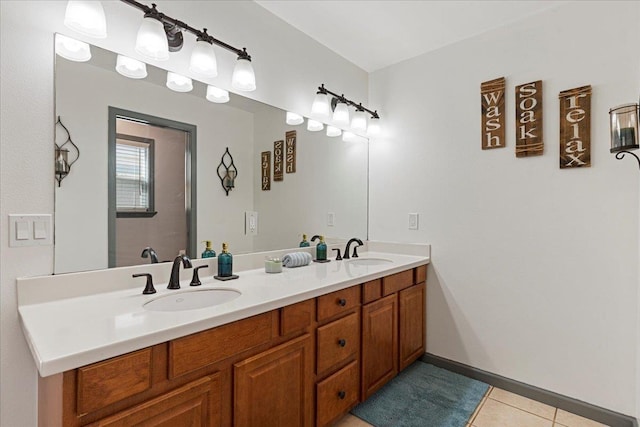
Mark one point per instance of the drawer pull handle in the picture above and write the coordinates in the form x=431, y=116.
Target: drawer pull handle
x=341, y=394
x=342, y=342
x=342, y=302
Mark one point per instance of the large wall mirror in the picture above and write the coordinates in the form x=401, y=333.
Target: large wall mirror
x=178, y=205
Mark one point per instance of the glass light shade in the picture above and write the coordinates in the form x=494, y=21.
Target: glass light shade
x=624, y=127
x=314, y=125
x=333, y=131
x=203, y=59
x=130, y=67
x=178, y=82
x=217, y=95
x=374, y=128
x=341, y=114
x=86, y=17
x=321, y=106
x=359, y=121
x=72, y=49
x=243, y=77
x=151, y=41
x=294, y=119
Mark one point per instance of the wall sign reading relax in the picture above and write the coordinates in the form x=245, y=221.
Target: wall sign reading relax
x=575, y=127
x=266, y=170
x=493, y=111
x=529, y=119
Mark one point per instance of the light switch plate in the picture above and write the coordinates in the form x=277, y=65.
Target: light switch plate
x=413, y=221
x=30, y=230
x=331, y=219
x=251, y=223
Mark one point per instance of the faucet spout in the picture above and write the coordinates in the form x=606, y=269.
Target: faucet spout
x=355, y=252
x=174, y=280
x=148, y=252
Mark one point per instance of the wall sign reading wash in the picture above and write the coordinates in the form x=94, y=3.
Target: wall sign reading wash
x=493, y=111
x=575, y=127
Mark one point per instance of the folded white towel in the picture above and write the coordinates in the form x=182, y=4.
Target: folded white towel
x=297, y=259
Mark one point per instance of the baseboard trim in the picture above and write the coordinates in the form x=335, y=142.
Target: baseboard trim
x=596, y=413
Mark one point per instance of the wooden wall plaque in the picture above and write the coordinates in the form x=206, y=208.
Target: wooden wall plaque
x=575, y=127
x=278, y=157
x=529, y=119
x=266, y=170
x=493, y=113
x=291, y=137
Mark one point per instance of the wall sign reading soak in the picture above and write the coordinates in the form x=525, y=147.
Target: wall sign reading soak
x=575, y=127
x=266, y=170
x=278, y=154
x=493, y=113
x=291, y=137
x=529, y=119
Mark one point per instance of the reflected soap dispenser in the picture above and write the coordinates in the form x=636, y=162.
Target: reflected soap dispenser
x=225, y=265
x=305, y=242
x=321, y=250
x=208, y=251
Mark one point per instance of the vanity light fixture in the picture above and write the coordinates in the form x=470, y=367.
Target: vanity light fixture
x=227, y=172
x=72, y=49
x=178, y=82
x=333, y=131
x=217, y=95
x=341, y=113
x=374, y=128
x=625, y=124
x=130, y=67
x=87, y=18
x=294, y=119
x=160, y=34
x=314, y=125
x=62, y=152
x=326, y=100
x=321, y=107
x=359, y=120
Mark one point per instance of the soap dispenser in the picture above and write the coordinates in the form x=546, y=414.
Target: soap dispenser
x=208, y=251
x=321, y=250
x=305, y=242
x=225, y=265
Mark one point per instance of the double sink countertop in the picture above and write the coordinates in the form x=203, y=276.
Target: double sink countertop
x=73, y=327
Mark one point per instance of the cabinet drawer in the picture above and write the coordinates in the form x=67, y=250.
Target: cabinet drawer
x=337, y=394
x=338, y=302
x=104, y=383
x=396, y=282
x=297, y=317
x=338, y=341
x=204, y=348
x=371, y=291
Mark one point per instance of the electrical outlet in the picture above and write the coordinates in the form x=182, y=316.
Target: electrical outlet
x=331, y=219
x=251, y=223
x=413, y=221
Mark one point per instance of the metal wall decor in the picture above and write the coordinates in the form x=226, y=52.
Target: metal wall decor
x=291, y=137
x=227, y=171
x=625, y=125
x=575, y=127
x=493, y=113
x=62, y=154
x=529, y=140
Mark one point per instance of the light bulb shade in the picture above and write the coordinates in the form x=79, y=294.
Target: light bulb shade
x=321, y=107
x=72, y=49
x=130, y=67
x=151, y=41
x=314, y=125
x=359, y=121
x=86, y=17
x=333, y=131
x=294, y=119
x=243, y=76
x=203, y=59
x=374, y=128
x=179, y=83
x=341, y=114
x=217, y=95
x=624, y=128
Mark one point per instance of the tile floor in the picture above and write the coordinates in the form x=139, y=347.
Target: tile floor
x=500, y=408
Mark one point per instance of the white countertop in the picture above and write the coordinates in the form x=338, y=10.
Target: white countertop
x=68, y=333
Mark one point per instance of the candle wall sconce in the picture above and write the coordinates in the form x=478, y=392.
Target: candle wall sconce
x=227, y=171
x=624, y=130
x=63, y=152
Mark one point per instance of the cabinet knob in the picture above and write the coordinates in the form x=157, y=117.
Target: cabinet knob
x=342, y=394
x=342, y=342
x=342, y=302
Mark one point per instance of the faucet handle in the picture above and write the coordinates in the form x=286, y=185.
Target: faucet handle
x=195, y=280
x=339, y=257
x=148, y=289
x=355, y=252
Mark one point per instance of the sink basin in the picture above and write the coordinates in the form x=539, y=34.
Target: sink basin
x=369, y=261
x=192, y=299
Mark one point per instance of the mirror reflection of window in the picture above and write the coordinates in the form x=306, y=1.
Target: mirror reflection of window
x=134, y=175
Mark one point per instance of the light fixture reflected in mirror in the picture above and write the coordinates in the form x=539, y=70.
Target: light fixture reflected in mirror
x=72, y=49
x=217, y=95
x=227, y=172
x=314, y=125
x=294, y=119
x=130, y=67
x=333, y=131
x=178, y=82
x=624, y=125
x=87, y=18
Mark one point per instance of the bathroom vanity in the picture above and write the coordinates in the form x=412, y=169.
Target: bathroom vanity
x=303, y=348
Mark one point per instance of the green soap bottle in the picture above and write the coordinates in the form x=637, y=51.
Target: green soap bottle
x=321, y=250
x=304, y=242
x=208, y=250
x=225, y=262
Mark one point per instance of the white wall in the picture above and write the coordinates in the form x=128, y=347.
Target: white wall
x=534, y=269
x=288, y=64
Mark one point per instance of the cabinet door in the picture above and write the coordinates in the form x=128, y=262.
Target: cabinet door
x=379, y=343
x=412, y=324
x=275, y=388
x=196, y=404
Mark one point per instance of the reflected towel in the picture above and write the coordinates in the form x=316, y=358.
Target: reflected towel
x=297, y=259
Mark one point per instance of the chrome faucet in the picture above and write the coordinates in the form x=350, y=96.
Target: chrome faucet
x=148, y=252
x=355, y=251
x=174, y=280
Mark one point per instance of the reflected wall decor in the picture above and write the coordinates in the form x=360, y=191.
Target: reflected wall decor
x=265, y=158
x=291, y=137
x=278, y=153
